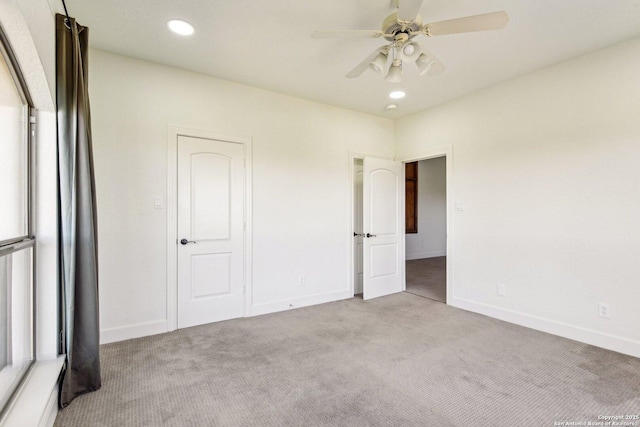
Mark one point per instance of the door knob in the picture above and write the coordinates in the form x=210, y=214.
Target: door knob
x=370, y=235
x=358, y=234
x=186, y=242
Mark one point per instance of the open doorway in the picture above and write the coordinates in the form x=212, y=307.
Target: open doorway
x=358, y=227
x=426, y=228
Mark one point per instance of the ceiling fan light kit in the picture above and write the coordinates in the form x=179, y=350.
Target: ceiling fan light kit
x=411, y=51
x=402, y=27
x=395, y=72
x=379, y=63
x=424, y=64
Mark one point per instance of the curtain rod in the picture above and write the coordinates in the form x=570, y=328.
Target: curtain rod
x=67, y=21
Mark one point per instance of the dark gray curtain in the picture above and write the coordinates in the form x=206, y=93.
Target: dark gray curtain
x=77, y=216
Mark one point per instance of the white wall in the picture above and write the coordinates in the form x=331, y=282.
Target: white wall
x=431, y=238
x=301, y=185
x=40, y=17
x=547, y=167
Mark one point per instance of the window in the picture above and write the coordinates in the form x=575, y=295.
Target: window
x=17, y=241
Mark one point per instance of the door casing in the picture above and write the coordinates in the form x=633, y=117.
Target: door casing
x=446, y=152
x=172, y=217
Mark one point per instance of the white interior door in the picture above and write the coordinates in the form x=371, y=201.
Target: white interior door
x=383, y=221
x=210, y=231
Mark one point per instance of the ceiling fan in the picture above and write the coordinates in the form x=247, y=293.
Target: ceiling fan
x=400, y=29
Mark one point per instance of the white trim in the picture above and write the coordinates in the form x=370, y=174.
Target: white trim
x=33, y=405
x=422, y=255
x=172, y=217
x=136, y=330
x=248, y=234
x=292, y=303
x=566, y=330
x=447, y=152
x=51, y=410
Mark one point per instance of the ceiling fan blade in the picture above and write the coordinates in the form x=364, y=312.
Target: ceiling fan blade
x=340, y=34
x=362, y=67
x=485, y=22
x=408, y=9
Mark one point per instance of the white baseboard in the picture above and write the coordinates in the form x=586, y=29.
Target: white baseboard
x=288, y=304
x=421, y=255
x=127, y=332
x=121, y=333
x=577, y=333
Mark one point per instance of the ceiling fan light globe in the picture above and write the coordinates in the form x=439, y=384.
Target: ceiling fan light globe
x=424, y=64
x=378, y=63
x=411, y=51
x=395, y=72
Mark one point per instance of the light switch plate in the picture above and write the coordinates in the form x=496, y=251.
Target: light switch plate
x=502, y=290
x=459, y=205
x=158, y=202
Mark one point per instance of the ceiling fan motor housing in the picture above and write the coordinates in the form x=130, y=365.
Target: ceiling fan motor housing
x=392, y=27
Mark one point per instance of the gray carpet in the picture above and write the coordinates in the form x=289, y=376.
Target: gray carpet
x=400, y=360
x=428, y=278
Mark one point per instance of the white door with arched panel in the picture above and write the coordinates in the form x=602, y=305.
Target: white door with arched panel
x=211, y=227
x=383, y=206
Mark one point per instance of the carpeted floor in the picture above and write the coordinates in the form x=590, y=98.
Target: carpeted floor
x=400, y=360
x=428, y=278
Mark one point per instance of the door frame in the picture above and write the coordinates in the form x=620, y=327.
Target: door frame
x=172, y=216
x=447, y=153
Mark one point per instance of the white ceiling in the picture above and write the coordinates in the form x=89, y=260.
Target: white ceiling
x=267, y=43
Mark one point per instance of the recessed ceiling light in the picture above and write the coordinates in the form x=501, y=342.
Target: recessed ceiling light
x=180, y=27
x=392, y=107
x=397, y=94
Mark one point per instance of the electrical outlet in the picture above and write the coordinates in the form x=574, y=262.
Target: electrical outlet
x=604, y=310
x=302, y=280
x=502, y=290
